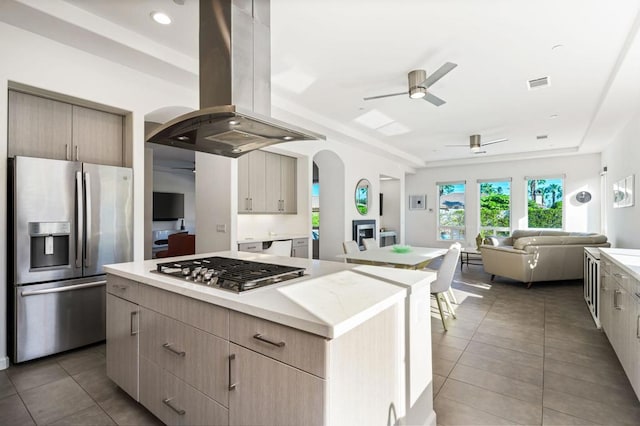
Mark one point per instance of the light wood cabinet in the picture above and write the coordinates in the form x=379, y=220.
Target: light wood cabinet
x=267, y=183
x=268, y=392
x=251, y=183
x=97, y=137
x=39, y=127
x=122, y=344
x=45, y=128
x=300, y=248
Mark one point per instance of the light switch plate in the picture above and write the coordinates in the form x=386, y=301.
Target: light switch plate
x=221, y=228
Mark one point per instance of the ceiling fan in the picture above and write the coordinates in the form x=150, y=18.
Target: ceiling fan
x=419, y=83
x=476, y=145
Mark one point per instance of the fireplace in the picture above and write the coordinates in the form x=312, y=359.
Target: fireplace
x=363, y=229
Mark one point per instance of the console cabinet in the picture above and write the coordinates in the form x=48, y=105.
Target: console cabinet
x=267, y=183
x=620, y=315
x=46, y=128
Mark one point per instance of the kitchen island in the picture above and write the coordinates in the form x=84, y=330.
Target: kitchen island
x=343, y=344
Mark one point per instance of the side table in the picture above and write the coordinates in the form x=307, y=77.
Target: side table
x=470, y=256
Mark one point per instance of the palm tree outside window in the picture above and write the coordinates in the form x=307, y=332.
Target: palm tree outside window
x=544, y=203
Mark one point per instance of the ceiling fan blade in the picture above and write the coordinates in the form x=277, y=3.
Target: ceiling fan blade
x=385, y=96
x=479, y=152
x=439, y=73
x=494, y=141
x=433, y=99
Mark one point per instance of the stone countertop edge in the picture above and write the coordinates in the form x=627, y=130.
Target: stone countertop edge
x=270, y=303
x=628, y=259
x=276, y=237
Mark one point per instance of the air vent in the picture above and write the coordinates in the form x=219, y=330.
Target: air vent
x=538, y=83
x=542, y=137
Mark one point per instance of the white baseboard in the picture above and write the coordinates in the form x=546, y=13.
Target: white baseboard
x=4, y=362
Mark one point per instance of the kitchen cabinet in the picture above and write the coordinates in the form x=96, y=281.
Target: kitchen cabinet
x=267, y=183
x=122, y=335
x=281, y=184
x=203, y=363
x=268, y=392
x=300, y=248
x=46, y=128
x=620, y=316
x=251, y=183
x=255, y=247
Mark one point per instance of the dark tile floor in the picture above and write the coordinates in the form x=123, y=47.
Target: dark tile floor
x=531, y=357
x=513, y=356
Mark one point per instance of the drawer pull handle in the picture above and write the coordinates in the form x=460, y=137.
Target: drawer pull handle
x=260, y=337
x=168, y=346
x=133, y=322
x=615, y=299
x=167, y=402
x=232, y=383
x=638, y=327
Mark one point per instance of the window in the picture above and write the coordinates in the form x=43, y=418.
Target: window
x=495, y=207
x=315, y=210
x=544, y=203
x=451, y=217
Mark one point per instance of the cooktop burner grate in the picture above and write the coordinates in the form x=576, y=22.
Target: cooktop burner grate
x=228, y=273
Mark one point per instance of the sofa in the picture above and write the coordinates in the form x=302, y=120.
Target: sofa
x=538, y=255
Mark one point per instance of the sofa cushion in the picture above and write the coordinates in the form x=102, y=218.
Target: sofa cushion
x=547, y=240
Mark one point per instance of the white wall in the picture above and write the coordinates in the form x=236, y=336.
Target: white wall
x=622, y=158
x=36, y=61
x=181, y=183
x=581, y=174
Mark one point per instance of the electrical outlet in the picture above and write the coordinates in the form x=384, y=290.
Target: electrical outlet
x=221, y=228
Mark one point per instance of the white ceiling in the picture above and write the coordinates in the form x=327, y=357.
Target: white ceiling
x=339, y=51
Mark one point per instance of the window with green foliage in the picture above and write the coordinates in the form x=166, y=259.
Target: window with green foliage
x=451, y=217
x=495, y=208
x=544, y=203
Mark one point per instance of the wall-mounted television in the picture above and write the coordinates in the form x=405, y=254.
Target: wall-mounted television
x=168, y=206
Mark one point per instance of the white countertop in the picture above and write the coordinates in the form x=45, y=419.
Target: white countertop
x=275, y=237
x=331, y=299
x=628, y=259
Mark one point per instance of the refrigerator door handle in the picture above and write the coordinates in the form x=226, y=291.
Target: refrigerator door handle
x=61, y=289
x=80, y=219
x=87, y=198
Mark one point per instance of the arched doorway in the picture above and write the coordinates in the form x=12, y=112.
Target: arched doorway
x=331, y=208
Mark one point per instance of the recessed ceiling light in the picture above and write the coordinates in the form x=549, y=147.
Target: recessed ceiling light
x=557, y=46
x=234, y=122
x=288, y=138
x=553, y=116
x=161, y=18
x=236, y=150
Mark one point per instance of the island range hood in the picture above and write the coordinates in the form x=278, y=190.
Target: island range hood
x=235, y=85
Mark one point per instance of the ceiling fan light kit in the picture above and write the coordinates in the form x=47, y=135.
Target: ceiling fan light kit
x=474, y=143
x=419, y=83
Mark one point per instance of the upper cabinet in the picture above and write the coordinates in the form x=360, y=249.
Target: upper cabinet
x=267, y=183
x=45, y=128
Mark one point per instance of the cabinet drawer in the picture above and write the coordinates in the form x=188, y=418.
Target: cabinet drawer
x=175, y=402
x=205, y=316
x=251, y=247
x=300, y=242
x=197, y=357
x=294, y=347
x=122, y=287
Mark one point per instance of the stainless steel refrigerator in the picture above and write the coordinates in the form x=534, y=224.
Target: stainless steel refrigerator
x=67, y=220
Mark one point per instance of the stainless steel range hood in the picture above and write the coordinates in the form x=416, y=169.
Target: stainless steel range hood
x=235, y=85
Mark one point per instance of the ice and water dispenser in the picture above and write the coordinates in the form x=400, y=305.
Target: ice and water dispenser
x=49, y=244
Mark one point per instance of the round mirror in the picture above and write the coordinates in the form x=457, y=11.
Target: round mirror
x=362, y=196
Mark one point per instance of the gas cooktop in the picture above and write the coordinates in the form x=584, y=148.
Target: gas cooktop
x=231, y=274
